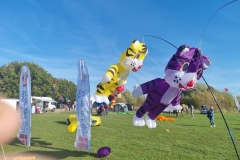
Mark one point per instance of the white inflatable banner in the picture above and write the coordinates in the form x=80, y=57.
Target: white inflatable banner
x=83, y=111
x=24, y=133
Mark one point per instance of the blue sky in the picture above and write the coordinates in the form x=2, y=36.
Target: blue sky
x=55, y=34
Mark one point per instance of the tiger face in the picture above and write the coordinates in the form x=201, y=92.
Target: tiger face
x=132, y=58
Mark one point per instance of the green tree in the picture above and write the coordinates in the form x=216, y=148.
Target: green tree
x=41, y=82
x=127, y=98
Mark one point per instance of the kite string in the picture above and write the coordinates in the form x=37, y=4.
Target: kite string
x=200, y=43
x=230, y=133
x=214, y=14
x=161, y=39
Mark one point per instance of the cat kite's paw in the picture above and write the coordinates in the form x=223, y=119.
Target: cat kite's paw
x=138, y=121
x=150, y=123
x=137, y=92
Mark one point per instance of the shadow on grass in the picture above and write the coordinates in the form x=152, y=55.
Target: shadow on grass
x=185, y=124
x=61, y=122
x=34, y=141
x=54, y=154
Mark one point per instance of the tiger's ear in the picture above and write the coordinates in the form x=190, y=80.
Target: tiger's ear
x=135, y=44
x=206, y=62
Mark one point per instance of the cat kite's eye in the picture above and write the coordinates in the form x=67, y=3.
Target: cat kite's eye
x=184, y=67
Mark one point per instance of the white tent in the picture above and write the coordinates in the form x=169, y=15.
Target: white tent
x=171, y=107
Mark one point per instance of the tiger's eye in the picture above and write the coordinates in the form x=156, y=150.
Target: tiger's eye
x=137, y=56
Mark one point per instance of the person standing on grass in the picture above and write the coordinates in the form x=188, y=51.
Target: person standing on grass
x=192, y=109
x=182, y=111
x=176, y=112
x=69, y=105
x=33, y=108
x=106, y=109
x=210, y=115
x=186, y=109
x=66, y=107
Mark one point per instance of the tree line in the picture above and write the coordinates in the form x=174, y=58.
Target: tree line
x=197, y=97
x=42, y=83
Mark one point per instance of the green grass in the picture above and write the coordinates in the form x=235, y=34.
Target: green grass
x=187, y=139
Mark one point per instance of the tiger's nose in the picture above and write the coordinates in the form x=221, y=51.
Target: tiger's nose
x=190, y=83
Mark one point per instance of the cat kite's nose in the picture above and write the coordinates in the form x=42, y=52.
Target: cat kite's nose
x=190, y=83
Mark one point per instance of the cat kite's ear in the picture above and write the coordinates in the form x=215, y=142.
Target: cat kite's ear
x=206, y=62
x=182, y=49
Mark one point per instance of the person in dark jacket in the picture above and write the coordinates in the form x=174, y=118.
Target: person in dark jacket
x=100, y=109
x=210, y=115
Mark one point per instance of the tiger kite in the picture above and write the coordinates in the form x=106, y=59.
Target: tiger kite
x=130, y=60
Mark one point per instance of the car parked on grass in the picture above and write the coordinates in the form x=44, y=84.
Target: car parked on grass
x=203, y=109
x=130, y=107
x=120, y=107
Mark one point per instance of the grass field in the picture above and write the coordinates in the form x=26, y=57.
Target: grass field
x=187, y=139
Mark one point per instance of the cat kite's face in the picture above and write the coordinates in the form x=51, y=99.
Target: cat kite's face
x=132, y=58
x=186, y=67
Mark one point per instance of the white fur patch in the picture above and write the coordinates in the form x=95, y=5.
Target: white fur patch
x=101, y=99
x=105, y=78
x=184, y=51
x=97, y=98
x=136, y=44
x=169, y=95
x=150, y=123
x=105, y=99
x=138, y=121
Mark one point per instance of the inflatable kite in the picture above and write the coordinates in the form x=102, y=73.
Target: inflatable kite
x=117, y=93
x=182, y=72
x=73, y=123
x=130, y=60
x=163, y=118
x=103, y=151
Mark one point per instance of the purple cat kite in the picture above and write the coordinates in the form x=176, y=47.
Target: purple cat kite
x=182, y=72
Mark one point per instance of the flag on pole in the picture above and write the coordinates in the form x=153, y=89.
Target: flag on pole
x=24, y=133
x=54, y=86
x=83, y=111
